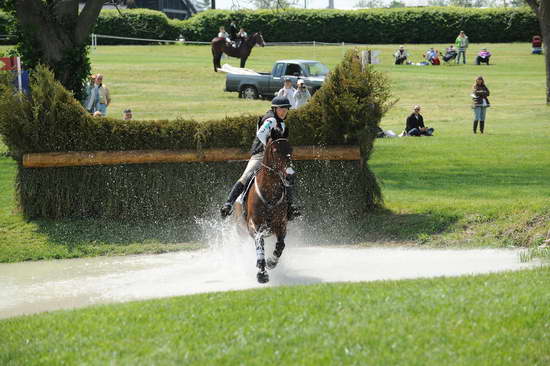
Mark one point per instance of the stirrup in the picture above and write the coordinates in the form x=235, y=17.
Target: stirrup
x=226, y=209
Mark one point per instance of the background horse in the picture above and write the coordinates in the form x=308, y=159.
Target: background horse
x=267, y=206
x=220, y=46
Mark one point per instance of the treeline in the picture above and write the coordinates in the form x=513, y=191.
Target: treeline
x=368, y=26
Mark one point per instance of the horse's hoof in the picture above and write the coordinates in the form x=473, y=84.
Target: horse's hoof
x=272, y=262
x=262, y=277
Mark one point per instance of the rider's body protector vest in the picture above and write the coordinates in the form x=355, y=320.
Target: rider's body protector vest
x=263, y=130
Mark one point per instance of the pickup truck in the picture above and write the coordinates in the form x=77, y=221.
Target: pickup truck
x=252, y=85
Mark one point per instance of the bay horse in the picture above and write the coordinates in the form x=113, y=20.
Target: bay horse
x=267, y=205
x=220, y=46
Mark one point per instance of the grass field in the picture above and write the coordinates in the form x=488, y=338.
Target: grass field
x=498, y=319
x=456, y=189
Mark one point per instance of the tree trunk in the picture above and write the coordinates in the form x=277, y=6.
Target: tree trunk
x=542, y=10
x=55, y=34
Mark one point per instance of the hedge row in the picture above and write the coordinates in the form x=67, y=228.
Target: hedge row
x=346, y=110
x=371, y=26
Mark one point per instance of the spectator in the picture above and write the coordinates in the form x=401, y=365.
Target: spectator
x=102, y=96
x=241, y=36
x=287, y=91
x=302, y=94
x=233, y=30
x=450, y=54
x=401, y=55
x=461, y=44
x=483, y=57
x=415, y=124
x=536, y=43
x=89, y=89
x=432, y=56
x=127, y=114
x=480, y=103
x=223, y=34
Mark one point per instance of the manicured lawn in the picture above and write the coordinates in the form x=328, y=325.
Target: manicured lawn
x=455, y=189
x=498, y=319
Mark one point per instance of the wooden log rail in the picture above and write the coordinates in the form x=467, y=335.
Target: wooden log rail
x=88, y=158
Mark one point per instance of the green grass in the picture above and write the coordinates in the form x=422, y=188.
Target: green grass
x=456, y=189
x=497, y=319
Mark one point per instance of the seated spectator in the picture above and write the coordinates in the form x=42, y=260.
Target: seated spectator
x=537, y=45
x=400, y=55
x=415, y=124
x=432, y=56
x=127, y=114
x=450, y=53
x=301, y=95
x=483, y=57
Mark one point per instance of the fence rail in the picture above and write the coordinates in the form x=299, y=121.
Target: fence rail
x=89, y=158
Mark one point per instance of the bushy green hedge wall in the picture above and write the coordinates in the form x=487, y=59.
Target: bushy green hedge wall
x=374, y=26
x=371, y=26
x=346, y=110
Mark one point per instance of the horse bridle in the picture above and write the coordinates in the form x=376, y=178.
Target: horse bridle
x=276, y=172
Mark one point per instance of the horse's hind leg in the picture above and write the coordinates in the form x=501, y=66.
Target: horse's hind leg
x=262, y=275
x=274, y=259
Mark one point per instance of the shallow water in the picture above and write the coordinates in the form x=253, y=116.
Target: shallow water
x=32, y=287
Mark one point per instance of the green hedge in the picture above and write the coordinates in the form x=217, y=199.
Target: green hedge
x=371, y=26
x=346, y=110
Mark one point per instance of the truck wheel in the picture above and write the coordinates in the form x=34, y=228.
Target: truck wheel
x=249, y=92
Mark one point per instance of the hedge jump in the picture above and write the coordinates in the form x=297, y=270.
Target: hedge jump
x=88, y=158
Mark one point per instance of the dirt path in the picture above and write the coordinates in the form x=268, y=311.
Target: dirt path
x=33, y=287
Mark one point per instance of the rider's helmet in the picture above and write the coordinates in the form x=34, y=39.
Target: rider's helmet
x=281, y=102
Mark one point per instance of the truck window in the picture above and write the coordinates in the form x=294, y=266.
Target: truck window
x=278, y=69
x=293, y=70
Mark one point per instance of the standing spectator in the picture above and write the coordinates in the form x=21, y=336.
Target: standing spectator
x=461, y=44
x=302, y=94
x=103, y=96
x=233, y=30
x=480, y=103
x=287, y=91
x=127, y=114
x=415, y=124
x=483, y=57
x=223, y=34
x=241, y=36
x=89, y=89
x=400, y=55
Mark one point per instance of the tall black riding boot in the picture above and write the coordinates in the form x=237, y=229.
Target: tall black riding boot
x=293, y=212
x=237, y=189
x=481, y=126
x=475, y=126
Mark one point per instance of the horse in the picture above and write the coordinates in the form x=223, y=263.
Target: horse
x=266, y=205
x=220, y=46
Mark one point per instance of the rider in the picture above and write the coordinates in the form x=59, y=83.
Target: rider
x=273, y=119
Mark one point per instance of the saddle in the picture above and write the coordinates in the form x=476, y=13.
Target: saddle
x=243, y=197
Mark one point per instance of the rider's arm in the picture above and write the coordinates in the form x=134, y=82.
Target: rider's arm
x=265, y=130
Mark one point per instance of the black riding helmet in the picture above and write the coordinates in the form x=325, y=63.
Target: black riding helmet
x=281, y=102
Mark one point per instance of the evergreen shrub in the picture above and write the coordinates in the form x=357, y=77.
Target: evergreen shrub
x=345, y=111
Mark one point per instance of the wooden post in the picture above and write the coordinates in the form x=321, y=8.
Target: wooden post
x=88, y=158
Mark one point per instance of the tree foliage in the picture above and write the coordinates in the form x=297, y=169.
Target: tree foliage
x=55, y=33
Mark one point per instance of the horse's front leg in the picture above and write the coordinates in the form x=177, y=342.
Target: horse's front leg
x=279, y=247
x=262, y=275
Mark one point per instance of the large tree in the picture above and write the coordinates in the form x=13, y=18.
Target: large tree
x=542, y=10
x=55, y=33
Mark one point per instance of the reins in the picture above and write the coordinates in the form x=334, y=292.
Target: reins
x=275, y=172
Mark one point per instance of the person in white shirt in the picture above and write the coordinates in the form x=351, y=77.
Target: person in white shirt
x=287, y=91
x=302, y=94
x=224, y=34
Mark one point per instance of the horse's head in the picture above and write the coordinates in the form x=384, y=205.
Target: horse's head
x=278, y=155
x=258, y=39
